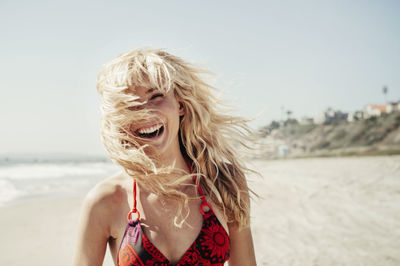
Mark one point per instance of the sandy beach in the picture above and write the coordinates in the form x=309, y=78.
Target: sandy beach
x=325, y=211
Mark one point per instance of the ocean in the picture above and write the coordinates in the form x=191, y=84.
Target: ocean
x=25, y=177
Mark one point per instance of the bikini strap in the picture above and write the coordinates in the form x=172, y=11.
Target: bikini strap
x=204, y=202
x=134, y=209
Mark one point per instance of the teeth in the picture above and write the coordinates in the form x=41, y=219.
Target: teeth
x=148, y=130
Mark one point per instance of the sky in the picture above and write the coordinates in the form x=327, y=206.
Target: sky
x=268, y=57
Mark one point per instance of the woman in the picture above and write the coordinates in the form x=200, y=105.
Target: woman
x=182, y=197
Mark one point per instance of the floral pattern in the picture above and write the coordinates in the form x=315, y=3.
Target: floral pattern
x=211, y=247
x=127, y=256
x=213, y=241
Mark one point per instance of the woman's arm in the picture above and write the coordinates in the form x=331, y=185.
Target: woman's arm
x=241, y=240
x=93, y=232
x=242, y=248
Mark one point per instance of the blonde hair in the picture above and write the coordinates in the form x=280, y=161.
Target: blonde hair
x=207, y=133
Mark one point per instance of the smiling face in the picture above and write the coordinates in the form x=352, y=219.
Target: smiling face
x=161, y=133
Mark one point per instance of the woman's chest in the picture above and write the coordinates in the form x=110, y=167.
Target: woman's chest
x=170, y=230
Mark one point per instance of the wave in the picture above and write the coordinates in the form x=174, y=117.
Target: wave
x=51, y=170
x=24, y=180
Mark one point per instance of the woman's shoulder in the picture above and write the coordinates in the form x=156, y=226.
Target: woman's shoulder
x=107, y=196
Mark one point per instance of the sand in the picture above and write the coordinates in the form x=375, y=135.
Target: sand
x=336, y=211
x=333, y=211
x=41, y=232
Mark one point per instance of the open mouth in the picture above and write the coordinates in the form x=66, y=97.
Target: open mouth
x=150, y=132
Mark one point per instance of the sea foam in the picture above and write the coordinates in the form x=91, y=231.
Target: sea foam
x=24, y=180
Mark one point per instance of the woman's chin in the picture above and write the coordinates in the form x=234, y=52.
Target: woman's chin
x=156, y=145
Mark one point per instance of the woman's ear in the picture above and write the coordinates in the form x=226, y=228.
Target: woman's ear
x=181, y=109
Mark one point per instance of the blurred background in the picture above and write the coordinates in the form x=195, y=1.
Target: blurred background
x=269, y=58
x=318, y=78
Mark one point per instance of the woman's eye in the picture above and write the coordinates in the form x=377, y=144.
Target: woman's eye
x=157, y=95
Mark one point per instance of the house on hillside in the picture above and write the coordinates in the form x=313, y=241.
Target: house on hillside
x=377, y=110
x=395, y=105
x=329, y=116
x=357, y=115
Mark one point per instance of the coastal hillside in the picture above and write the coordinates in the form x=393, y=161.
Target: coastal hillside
x=377, y=135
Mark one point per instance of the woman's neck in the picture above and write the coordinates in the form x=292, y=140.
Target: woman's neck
x=177, y=160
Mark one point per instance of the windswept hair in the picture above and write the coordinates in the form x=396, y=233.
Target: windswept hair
x=208, y=136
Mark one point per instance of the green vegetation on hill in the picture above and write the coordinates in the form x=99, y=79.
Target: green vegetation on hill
x=372, y=136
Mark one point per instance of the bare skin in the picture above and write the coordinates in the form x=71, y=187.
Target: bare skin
x=103, y=218
x=104, y=221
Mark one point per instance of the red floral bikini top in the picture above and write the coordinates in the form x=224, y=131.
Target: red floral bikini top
x=211, y=247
